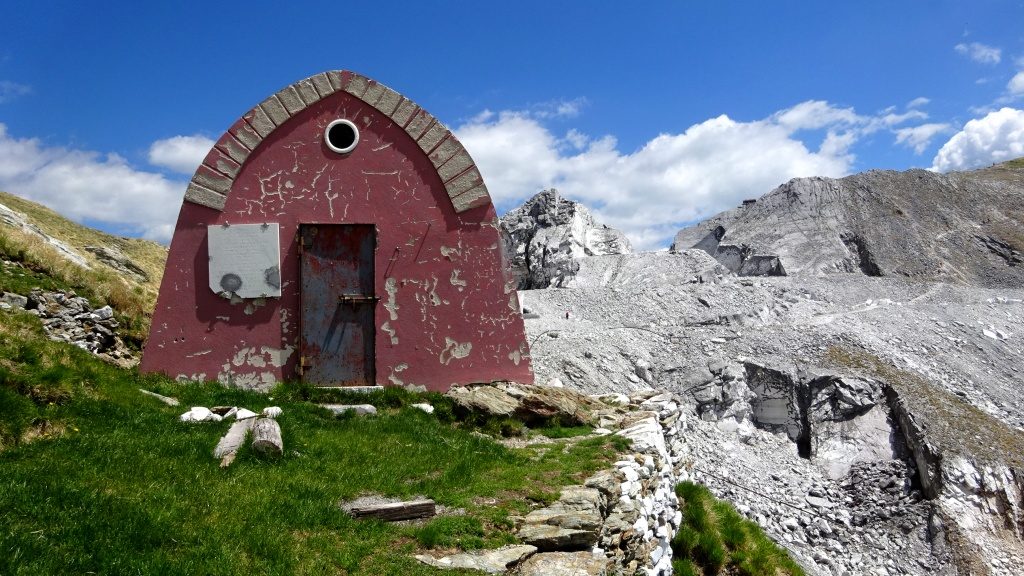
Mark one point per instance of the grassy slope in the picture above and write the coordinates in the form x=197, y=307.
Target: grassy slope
x=715, y=537
x=40, y=265
x=147, y=255
x=114, y=483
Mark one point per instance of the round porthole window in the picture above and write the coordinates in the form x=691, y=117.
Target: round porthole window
x=341, y=136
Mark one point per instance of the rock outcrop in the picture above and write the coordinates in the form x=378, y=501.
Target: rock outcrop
x=547, y=236
x=117, y=260
x=69, y=318
x=22, y=222
x=963, y=227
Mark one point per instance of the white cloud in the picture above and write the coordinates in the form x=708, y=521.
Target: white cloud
x=180, y=153
x=11, y=90
x=918, y=102
x=997, y=137
x=1016, y=84
x=980, y=53
x=674, y=178
x=815, y=114
x=919, y=137
x=85, y=185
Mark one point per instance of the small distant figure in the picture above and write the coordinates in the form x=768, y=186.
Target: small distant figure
x=566, y=314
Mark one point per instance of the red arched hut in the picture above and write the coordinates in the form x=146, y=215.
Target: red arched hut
x=339, y=234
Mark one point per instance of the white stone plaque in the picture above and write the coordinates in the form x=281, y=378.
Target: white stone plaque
x=245, y=260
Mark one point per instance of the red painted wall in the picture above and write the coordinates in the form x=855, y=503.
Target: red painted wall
x=447, y=313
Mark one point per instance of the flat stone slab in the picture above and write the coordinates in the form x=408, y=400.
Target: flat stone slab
x=548, y=537
x=564, y=564
x=490, y=561
x=360, y=409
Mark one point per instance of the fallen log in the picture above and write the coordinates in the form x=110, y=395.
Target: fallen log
x=395, y=511
x=266, y=437
x=229, y=444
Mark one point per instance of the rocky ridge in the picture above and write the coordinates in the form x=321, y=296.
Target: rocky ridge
x=546, y=236
x=960, y=227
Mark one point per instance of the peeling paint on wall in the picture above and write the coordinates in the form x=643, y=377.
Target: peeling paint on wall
x=254, y=305
x=387, y=329
x=456, y=281
x=391, y=287
x=261, y=382
x=447, y=252
x=284, y=321
x=517, y=355
x=453, y=349
x=393, y=377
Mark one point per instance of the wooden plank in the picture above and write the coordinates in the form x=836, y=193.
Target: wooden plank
x=165, y=399
x=396, y=511
x=266, y=437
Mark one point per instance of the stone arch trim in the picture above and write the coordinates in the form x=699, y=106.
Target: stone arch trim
x=211, y=184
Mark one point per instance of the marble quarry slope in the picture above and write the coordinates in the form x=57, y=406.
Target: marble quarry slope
x=962, y=227
x=872, y=425
x=546, y=236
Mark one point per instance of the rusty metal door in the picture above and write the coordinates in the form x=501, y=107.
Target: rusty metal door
x=338, y=301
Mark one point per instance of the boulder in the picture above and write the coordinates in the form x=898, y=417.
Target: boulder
x=543, y=404
x=116, y=259
x=14, y=300
x=486, y=399
x=571, y=523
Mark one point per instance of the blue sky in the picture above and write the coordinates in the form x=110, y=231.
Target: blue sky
x=653, y=116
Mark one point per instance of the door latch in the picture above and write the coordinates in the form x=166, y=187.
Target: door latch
x=356, y=299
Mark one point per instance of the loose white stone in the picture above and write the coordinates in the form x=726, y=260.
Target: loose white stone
x=243, y=413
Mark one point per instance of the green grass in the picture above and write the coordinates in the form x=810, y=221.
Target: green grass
x=715, y=537
x=557, y=431
x=1015, y=163
x=96, y=477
